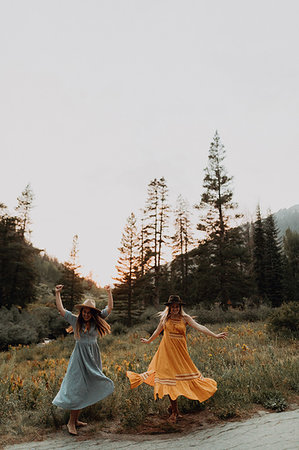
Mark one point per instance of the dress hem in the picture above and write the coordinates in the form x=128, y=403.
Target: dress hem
x=84, y=405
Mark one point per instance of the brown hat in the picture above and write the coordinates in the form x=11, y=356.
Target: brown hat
x=89, y=303
x=174, y=299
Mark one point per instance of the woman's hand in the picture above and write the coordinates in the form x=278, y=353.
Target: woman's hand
x=222, y=335
x=107, y=288
x=144, y=341
x=58, y=288
x=110, y=298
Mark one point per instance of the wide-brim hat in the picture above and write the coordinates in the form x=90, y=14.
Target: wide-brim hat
x=89, y=303
x=174, y=300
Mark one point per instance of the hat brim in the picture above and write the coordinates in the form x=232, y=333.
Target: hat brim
x=86, y=306
x=174, y=303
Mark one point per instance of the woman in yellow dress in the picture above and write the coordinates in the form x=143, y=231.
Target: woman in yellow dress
x=171, y=371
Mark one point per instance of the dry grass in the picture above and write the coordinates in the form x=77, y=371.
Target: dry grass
x=251, y=367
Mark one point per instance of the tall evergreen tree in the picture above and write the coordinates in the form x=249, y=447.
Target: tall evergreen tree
x=259, y=254
x=73, y=289
x=157, y=213
x=17, y=269
x=182, y=240
x=217, y=211
x=273, y=263
x=163, y=218
x=23, y=208
x=291, y=249
x=127, y=268
x=145, y=252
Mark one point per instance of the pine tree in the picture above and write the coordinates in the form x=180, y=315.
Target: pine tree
x=17, y=269
x=181, y=241
x=24, y=207
x=259, y=256
x=127, y=268
x=217, y=211
x=273, y=263
x=291, y=280
x=145, y=253
x=163, y=218
x=73, y=289
x=157, y=214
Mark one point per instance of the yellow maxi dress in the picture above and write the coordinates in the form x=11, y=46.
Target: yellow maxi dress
x=171, y=371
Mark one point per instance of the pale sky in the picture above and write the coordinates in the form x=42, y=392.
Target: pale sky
x=97, y=98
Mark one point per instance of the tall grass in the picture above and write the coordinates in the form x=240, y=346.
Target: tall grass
x=251, y=367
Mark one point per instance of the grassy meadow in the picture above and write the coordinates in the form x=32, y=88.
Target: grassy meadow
x=252, y=367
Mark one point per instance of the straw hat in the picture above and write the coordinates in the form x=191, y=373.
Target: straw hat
x=89, y=303
x=174, y=299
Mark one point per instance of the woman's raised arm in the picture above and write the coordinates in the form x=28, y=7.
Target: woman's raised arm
x=59, y=304
x=154, y=335
x=203, y=329
x=110, y=298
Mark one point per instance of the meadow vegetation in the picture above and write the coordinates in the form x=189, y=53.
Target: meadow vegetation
x=254, y=366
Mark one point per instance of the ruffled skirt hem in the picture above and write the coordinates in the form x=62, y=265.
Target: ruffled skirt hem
x=198, y=388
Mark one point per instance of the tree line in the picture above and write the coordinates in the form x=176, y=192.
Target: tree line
x=229, y=265
x=27, y=278
x=23, y=267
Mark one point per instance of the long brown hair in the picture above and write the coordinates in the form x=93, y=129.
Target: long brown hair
x=102, y=326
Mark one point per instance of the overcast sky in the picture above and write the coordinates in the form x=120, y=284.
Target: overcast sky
x=97, y=98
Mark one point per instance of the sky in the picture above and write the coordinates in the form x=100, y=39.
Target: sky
x=97, y=98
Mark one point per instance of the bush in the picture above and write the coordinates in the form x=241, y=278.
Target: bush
x=119, y=328
x=285, y=318
x=217, y=315
x=29, y=327
x=273, y=400
x=148, y=314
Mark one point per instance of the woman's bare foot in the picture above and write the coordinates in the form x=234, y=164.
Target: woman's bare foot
x=178, y=414
x=173, y=418
x=72, y=429
x=81, y=424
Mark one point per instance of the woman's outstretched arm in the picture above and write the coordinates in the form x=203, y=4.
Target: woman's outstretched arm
x=154, y=335
x=110, y=298
x=59, y=304
x=203, y=329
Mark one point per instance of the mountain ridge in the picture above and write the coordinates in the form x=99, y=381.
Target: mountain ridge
x=287, y=218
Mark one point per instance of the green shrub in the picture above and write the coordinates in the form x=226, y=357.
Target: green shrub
x=148, y=314
x=273, y=400
x=285, y=318
x=119, y=328
x=29, y=326
x=217, y=315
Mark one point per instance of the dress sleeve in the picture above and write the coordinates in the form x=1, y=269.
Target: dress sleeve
x=70, y=318
x=104, y=312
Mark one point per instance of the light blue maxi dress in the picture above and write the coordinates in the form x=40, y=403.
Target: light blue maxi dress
x=84, y=383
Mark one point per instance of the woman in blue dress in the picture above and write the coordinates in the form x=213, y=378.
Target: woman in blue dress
x=84, y=383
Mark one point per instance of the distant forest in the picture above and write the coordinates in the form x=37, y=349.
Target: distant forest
x=232, y=266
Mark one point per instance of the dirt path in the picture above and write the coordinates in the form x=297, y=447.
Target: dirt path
x=275, y=431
